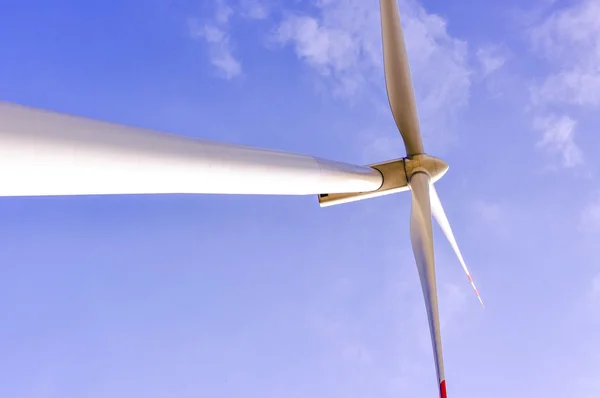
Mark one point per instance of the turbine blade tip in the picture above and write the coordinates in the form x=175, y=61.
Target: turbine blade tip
x=443, y=389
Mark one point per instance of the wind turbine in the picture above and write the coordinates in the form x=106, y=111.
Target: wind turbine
x=46, y=153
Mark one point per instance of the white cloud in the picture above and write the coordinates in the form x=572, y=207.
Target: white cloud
x=329, y=47
x=590, y=215
x=574, y=86
x=331, y=50
x=558, y=138
x=254, y=9
x=350, y=353
x=569, y=40
x=223, y=12
x=342, y=42
x=490, y=217
x=453, y=302
x=216, y=35
x=219, y=48
x=491, y=59
x=490, y=213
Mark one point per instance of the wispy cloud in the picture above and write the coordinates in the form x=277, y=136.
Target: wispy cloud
x=488, y=212
x=331, y=50
x=489, y=219
x=490, y=216
x=254, y=9
x=223, y=12
x=342, y=42
x=220, y=50
x=568, y=39
x=590, y=215
x=453, y=302
x=491, y=58
x=216, y=32
x=216, y=35
x=558, y=137
x=350, y=354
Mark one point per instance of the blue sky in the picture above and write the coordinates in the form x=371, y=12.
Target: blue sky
x=212, y=296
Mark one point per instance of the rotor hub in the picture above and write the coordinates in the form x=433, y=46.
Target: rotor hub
x=423, y=163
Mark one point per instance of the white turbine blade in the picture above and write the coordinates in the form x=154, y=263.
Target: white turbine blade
x=45, y=153
x=398, y=80
x=422, y=243
x=440, y=215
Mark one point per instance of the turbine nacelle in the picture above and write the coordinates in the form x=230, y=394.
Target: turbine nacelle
x=396, y=176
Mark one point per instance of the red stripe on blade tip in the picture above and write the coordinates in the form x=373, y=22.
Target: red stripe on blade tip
x=443, y=389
